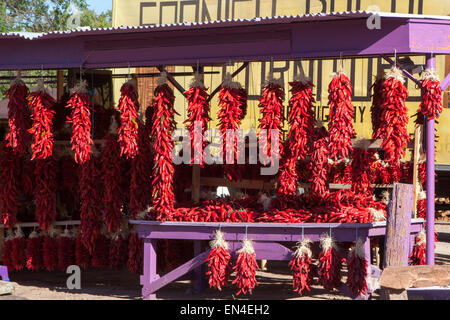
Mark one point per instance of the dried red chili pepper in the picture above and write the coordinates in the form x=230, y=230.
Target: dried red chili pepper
x=330, y=264
x=357, y=269
x=90, y=214
x=34, y=260
x=319, y=163
x=66, y=250
x=128, y=131
x=422, y=205
x=19, y=122
x=298, y=143
x=45, y=192
x=245, y=268
x=393, y=128
x=9, y=186
x=100, y=254
x=112, y=176
x=301, y=267
x=135, y=253
x=361, y=171
x=198, y=112
x=271, y=109
x=377, y=102
x=232, y=103
x=163, y=168
x=419, y=253
x=82, y=256
x=219, y=268
x=118, y=252
x=18, y=250
x=340, y=126
x=41, y=104
x=80, y=106
x=431, y=105
x=50, y=250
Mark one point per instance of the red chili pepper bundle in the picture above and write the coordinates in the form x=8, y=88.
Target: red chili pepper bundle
x=198, y=113
x=419, y=253
x=50, y=250
x=9, y=186
x=271, y=108
x=34, y=260
x=431, y=105
x=330, y=264
x=361, y=171
x=298, y=144
x=8, y=251
x=68, y=184
x=41, y=104
x=128, y=131
x=301, y=267
x=357, y=269
x=422, y=205
x=112, y=175
x=18, y=117
x=219, y=269
x=245, y=268
x=90, y=211
x=135, y=254
x=66, y=250
x=118, y=252
x=141, y=174
x=45, y=192
x=319, y=164
x=232, y=103
x=18, y=250
x=100, y=255
x=27, y=176
x=163, y=168
x=80, y=117
x=82, y=256
x=340, y=126
x=394, y=117
x=377, y=102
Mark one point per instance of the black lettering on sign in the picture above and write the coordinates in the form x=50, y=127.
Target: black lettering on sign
x=419, y=6
x=324, y=117
x=189, y=3
x=350, y=5
x=205, y=12
x=361, y=109
x=163, y=4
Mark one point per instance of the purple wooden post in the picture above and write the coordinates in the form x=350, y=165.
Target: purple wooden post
x=199, y=284
x=431, y=63
x=149, y=268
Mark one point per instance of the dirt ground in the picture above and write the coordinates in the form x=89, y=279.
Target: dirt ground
x=274, y=284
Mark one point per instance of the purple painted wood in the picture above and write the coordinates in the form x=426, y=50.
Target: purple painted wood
x=398, y=226
x=406, y=73
x=431, y=63
x=445, y=83
x=277, y=39
x=199, y=277
x=150, y=274
x=4, y=273
x=178, y=272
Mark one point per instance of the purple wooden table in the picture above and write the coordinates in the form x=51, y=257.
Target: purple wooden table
x=266, y=238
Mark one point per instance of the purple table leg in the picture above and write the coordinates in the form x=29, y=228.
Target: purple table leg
x=4, y=273
x=150, y=274
x=431, y=63
x=198, y=274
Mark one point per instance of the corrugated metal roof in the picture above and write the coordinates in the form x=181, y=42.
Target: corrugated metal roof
x=216, y=23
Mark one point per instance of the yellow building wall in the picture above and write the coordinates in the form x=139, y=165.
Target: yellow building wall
x=136, y=12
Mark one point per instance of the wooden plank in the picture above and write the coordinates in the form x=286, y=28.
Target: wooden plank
x=60, y=84
x=398, y=226
x=196, y=182
x=418, y=134
x=369, y=143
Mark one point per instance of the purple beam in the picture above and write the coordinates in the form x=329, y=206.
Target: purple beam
x=445, y=83
x=406, y=73
x=431, y=64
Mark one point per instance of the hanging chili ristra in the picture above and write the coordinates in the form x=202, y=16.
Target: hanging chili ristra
x=377, y=102
x=34, y=260
x=41, y=104
x=135, y=248
x=301, y=267
x=393, y=129
x=118, y=252
x=198, y=118
x=271, y=109
x=112, y=175
x=431, y=105
x=361, y=171
x=18, y=250
x=298, y=143
x=66, y=250
x=319, y=163
x=330, y=264
x=19, y=122
x=82, y=256
x=357, y=269
x=219, y=269
x=163, y=168
x=8, y=250
x=340, y=126
x=100, y=254
x=232, y=103
x=50, y=250
x=80, y=106
x=9, y=186
x=128, y=131
x=45, y=192
x=245, y=268
x=419, y=253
